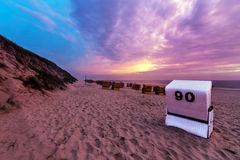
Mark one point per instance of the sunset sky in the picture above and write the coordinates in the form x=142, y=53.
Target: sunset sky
x=130, y=39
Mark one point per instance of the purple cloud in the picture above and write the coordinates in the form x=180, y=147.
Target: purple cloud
x=174, y=36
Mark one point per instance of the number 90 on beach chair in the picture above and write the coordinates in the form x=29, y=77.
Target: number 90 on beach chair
x=188, y=106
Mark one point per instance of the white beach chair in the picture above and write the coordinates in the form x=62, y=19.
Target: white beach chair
x=189, y=106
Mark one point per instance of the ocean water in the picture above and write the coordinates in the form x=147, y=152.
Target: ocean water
x=227, y=84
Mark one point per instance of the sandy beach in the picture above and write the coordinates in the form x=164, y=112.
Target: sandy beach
x=88, y=122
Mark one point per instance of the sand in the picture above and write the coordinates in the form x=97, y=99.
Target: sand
x=87, y=122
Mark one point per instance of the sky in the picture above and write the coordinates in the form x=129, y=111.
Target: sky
x=130, y=39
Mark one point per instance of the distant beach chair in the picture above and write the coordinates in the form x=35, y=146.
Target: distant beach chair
x=122, y=85
x=116, y=85
x=136, y=86
x=106, y=84
x=159, y=90
x=129, y=84
x=89, y=81
x=99, y=82
x=147, y=89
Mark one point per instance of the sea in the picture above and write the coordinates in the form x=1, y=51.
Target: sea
x=221, y=84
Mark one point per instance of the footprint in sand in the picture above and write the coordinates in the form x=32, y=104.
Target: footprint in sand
x=101, y=132
x=143, y=150
x=89, y=148
x=74, y=150
x=114, y=132
x=123, y=144
x=119, y=156
x=135, y=156
x=83, y=134
x=134, y=141
x=97, y=143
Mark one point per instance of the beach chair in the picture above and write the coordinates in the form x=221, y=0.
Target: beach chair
x=159, y=90
x=122, y=85
x=188, y=106
x=129, y=85
x=146, y=89
x=116, y=85
x=106, y=84
x=89, y=81
x=136, y=86
x=99, y=82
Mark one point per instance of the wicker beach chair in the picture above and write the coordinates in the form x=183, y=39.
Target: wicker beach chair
x=129, y=84
x=106, y=84
x=89, y=81
x=116, y=85
x=122, y=85
x=99, y=82
x=136, y=86
x=147, y=89
x=159, y=90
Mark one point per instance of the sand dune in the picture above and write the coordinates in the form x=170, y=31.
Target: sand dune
x=87, y=122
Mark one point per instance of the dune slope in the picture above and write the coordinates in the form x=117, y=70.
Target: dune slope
x=21, y=69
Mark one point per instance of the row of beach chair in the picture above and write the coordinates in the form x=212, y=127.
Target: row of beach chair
x=146, y=89
x=110, y=85
x=159, y=90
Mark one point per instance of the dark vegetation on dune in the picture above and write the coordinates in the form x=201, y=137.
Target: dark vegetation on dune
x=18, y=65
x=43, y=80
x=47, y=76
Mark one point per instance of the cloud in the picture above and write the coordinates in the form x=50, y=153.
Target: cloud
x=43, y=18
x=175, y=35
x=128, y=30
x=50, y=20
x=45, y=8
